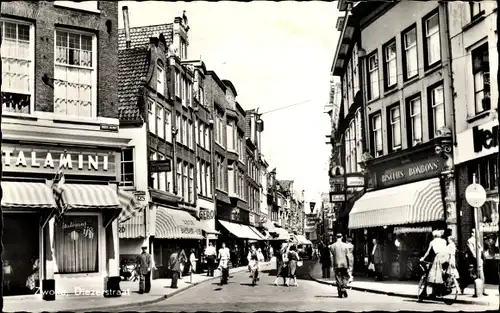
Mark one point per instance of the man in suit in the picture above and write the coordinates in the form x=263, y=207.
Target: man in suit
x=471, y=245
x=144, y=265
x=342, y=260
x=378, y=259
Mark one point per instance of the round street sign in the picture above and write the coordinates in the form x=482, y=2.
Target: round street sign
x=475, y=195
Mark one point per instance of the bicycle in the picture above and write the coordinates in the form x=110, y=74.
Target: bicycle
x=449, y=288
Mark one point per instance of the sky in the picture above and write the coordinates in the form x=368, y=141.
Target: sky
x=276, y=54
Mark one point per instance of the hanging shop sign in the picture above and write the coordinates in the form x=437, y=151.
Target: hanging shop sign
x=355, y=180
x=38, y=159
x=410, y=172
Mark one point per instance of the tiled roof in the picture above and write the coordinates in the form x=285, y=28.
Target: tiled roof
x=139, y=36
x=133, y=67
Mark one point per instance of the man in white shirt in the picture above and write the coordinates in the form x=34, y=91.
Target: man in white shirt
x=224, y=257
x=210, y=254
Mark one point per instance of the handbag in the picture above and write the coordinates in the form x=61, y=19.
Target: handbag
x=371, y=267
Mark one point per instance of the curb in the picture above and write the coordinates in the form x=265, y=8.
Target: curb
x=402, y=295
x=152, y=301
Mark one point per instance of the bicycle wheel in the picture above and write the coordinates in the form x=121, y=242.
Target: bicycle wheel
x=422, y=288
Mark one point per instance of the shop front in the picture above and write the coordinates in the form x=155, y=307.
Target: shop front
x=476, y=154
x=407, y=200
x=172, y=230
x=72, y=243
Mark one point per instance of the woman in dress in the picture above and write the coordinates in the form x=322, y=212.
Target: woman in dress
x=293, y=257
x=439, y=248
x=452, y=251
x=281, y=263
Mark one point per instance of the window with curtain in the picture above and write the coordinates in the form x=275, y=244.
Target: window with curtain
x=374, y=91
x=17, y=66
x=191, y=184
x=160, y=125
x=377, y=135
x=185, y=184
x=395, y=122
x=74, y=71
x=437, y=105
x=391, y=71
x=179, y=178
x=415, y=111
x=168, y=126
x=411, y=54
x=160, y=78
x=190, y=135
x=77, y=242
x=433, y=42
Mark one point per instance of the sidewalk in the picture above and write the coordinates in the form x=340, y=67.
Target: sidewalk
x=160, y=290
x=406, y=289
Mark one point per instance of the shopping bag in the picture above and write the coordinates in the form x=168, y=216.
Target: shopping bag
x=371, y=267
x=300, y=263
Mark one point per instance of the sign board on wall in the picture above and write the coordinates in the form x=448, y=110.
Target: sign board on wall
x=478, y=142
x=40, y=159
x=406, y=173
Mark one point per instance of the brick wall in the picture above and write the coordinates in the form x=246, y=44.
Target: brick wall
x=46, y=16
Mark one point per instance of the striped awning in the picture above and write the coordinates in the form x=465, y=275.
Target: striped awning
x=130, y=206
x=240, y=231
x=417, y=202
x=82, y=196
x=134, y=227
x=25, y=195
x=176, y=224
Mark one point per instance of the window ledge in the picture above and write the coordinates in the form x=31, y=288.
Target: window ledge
x=391, y=91
x=476, y=19
x=433, y=68
x=410, y=81
x=372, y=100
x=478, y=116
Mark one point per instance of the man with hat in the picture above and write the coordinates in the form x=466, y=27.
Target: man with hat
x=342, y=260
x=144, y=265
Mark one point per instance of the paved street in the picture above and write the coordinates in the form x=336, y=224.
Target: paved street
x=239, y=295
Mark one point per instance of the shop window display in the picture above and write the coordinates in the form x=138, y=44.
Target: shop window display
x=77, y=240
x=489, y=228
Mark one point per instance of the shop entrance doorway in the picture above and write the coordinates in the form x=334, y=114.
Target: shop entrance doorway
x=21, y=253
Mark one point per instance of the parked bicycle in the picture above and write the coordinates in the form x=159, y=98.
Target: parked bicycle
x=448, y=291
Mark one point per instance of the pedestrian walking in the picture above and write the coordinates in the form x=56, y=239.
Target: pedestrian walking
x=325, y=259
x=281, y=263
x=341, y=262
x=271, y=252
x=350, y=249
x=174, y=265
x=377, y=259
x=192, y=265
x=210, y=255
x=224, y=256
x=477, y=269
x=144, y=266
x=293, y=258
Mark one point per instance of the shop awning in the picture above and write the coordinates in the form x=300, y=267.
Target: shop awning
x=303, y=240
x=25, y=195
x=407, y=230
x=240, y=231
x=257, y=232
x=208, y=227
x=176, y=224
x=130, y=206
x=406, y=204
x=282, y=234
x=269, y=226
x=82, y=196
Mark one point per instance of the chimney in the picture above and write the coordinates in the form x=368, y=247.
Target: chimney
x=126, y=24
